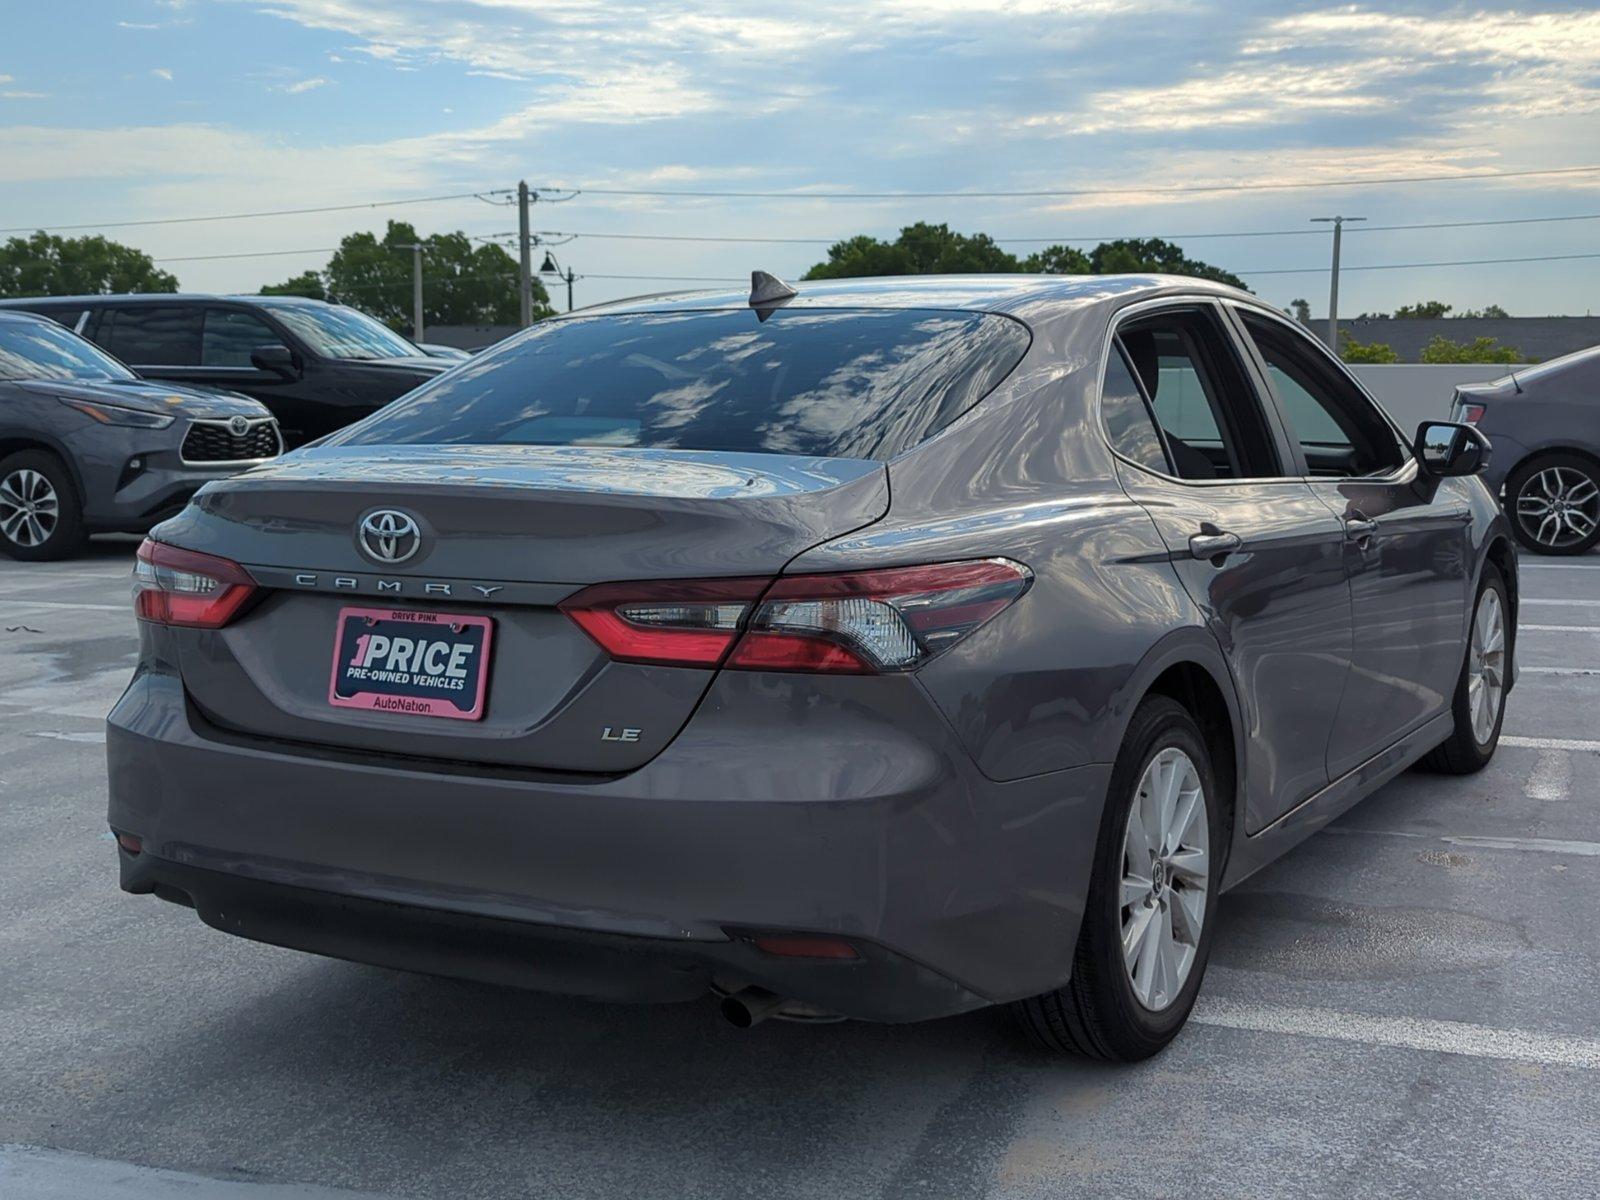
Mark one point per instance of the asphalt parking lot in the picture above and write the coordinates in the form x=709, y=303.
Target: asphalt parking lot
x=1407, y=1004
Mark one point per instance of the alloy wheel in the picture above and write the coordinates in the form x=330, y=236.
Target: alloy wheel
x=1486, y=666
x=29, y=508
x=1166, y=874
x=1559, y=506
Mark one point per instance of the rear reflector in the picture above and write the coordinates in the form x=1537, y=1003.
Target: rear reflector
x=184, y=587
x=130, y=843
x=802, y=946
x=859, y=622
x=1470, y=414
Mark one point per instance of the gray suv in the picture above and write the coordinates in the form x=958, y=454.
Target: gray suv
x=87, y=446
x=1545, y=425
x=886, y=650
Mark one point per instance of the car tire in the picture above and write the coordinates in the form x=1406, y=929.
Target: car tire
x=41, y=517
x=1536, y=489
x=1484, y=676
x=1099, y=1013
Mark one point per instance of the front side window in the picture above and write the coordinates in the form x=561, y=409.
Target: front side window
x=334, y=331
x=230, y=336
x=156, y=335
x=1127, y=419
x=849, y=383
x=42, y=350
x=1340, y=432
x=1212, y=423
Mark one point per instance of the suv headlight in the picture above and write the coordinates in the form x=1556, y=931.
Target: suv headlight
x=115, y=414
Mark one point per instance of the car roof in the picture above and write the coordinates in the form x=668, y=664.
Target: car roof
x=27, y=316
x=153, y=297
x=977, y=293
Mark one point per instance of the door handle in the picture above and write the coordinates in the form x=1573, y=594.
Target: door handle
x=1360, y=529
x=1214, y=545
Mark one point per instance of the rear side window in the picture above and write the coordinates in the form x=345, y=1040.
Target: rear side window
x=846, y=383
x=155, y=335
x=1127, y=419
x=231, y=334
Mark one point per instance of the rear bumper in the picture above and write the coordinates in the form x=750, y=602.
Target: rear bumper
x=957, y=891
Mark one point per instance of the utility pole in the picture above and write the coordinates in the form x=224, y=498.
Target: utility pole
x=1333, y=290
x=525, y=259
x=570, y=278
x=416, y=289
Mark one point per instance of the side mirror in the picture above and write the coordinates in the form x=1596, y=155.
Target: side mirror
x=1445, y=448
x=280, y=360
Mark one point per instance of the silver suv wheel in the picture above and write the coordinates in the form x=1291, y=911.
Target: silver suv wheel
x=29, y=508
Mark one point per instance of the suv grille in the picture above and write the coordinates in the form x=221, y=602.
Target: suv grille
x=214, y=441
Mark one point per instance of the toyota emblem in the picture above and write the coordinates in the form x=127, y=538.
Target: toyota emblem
x=388, y=536
x=238, y=426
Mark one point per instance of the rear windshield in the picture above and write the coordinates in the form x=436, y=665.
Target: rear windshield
x=845, y=383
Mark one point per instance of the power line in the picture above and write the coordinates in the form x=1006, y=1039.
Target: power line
x=244, y=216
x=1460, y=262
x=1124, y=190
x=1105, y=237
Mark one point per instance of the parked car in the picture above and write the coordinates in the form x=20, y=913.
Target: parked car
x=885, y=650
x=88, y=446
x=316, y=366
x=450, y=353
x=1544, y=422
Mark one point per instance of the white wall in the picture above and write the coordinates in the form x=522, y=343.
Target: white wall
x=1416, y=392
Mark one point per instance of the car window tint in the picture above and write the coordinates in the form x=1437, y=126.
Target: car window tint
x=1213, y=423
x=230, y=336
x=157, y=335
x=849, y=383
x=1339, y=430
x=1127, y=420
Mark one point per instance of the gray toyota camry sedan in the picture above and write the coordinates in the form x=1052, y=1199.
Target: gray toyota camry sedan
x=885, y=649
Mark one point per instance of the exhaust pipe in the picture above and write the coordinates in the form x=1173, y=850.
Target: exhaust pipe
x=750, y=1006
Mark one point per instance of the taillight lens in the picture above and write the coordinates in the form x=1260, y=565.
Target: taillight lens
x=184, y=587
x=1470, y=414
x=860, y=622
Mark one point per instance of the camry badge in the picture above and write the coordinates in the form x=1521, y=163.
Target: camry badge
x=388, y=535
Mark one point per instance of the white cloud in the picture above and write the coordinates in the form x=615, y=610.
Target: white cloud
x=162, y=73
x=301, y=86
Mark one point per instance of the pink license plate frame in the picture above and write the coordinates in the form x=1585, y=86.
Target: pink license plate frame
x=450, y=627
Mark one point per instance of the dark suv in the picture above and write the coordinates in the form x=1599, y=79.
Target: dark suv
x=317, y=366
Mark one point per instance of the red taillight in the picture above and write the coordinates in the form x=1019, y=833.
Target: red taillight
x=184, y=587
x=675, y=623
x=1471, y=414
x=860, y=622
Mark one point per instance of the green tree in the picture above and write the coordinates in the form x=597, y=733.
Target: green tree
x=462, y=283
x=1422, y=310
x=46, y=265
x=1353, y=351
x=1058, y=260
x=1301, y=310
x=1478, y=350
x=307, y=283
x=1488, y=311
x=921, y=249
x=925, y=249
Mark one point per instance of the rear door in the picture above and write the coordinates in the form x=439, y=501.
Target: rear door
x=1254, y=547
x=1407, y=542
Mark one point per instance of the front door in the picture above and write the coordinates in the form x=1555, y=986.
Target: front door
x=1257, y=551
x=1407, y=548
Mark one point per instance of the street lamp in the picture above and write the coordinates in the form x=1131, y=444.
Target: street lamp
x=551, y=267
x=1333, y=293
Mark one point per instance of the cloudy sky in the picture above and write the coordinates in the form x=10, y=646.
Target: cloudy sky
x=136, y=110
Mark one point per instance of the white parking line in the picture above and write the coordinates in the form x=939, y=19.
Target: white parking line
x=65, y=604
x=1527, y=845
x=1565, y=603
x=1521, y=628
x=1405, y=1033
x=1582, y=745
x=1524, y=565
x=1559, y=670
